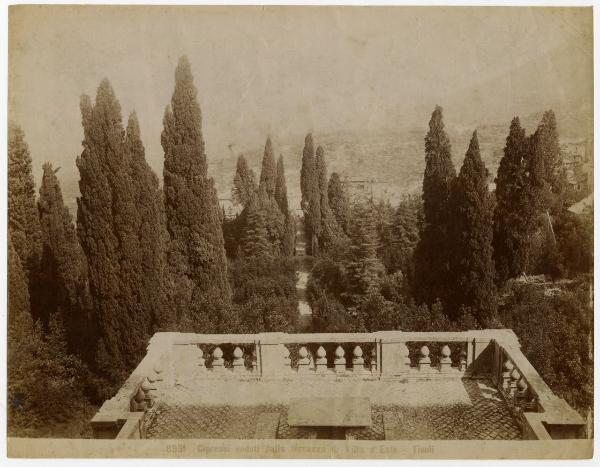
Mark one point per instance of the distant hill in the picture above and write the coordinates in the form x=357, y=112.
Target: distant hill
x=394, y=158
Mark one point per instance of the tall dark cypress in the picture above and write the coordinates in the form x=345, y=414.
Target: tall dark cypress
x=281, y=187
x=109, y=225
x=289, y=236
x=330, y=233
x=339, y=201
x=268, y=172
x=23, y=221
x=244, y=183
x=255, y=241
x=64, y=287
x=310, y=203
x=149, y=222
x=431, y=254
x=545, y=166
x=471, y=264
x=514, y=210
x=198, y=267
x=363, y=268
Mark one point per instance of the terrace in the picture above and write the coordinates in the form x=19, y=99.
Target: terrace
x=388, y=385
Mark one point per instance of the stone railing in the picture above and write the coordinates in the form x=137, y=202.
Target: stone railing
x=541, y=414
x=123, y=416
x=180, y=358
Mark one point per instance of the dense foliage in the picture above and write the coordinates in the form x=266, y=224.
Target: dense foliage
x=311, y=197
x=23, y=222
x=471, y=279
x=120, y=247
x=196, y=254
x=339, y=201
x=431, y=254
x=514, y=213
x=83, y=299
x=556, y=335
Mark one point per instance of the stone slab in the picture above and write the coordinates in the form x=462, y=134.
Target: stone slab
x=330, y=411
x=267, y=425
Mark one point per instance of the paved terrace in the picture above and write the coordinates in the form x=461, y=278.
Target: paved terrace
x=406, y=386
x=417, y=409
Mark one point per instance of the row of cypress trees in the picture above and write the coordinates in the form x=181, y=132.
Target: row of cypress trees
x=140, y=258
x=265, y=227
x=323, y=224
x=471, y=243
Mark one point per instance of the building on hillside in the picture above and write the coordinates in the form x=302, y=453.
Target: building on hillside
x=360, y=189
x=231, y=210
x=386, y=386
x=577, y=159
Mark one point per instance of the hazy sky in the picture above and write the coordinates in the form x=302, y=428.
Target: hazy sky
x=286, y=71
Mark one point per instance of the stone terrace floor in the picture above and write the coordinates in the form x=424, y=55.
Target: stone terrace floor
x=450, y=408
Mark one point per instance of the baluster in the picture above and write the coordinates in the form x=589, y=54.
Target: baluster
x=321, y=360
x=405, y=355
x=445, y=360
x=148, y=397
x=463, y=360
x=521, y=394
x=424, y=361
x=137, y=403
x=340, y=361
x=508, y=367
x=287, y=361
x=201, y=360
x=374, y=359
x=514, y=377
x=218, y=363
x=254, y=361
x=358, y=362
x=303, y=361
x=238, y=361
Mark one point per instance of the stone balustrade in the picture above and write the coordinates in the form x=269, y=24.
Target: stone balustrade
x=181, y=358
x=541, y=414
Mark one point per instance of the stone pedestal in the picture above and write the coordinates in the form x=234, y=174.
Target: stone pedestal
x=272, y=356
x=394, y=358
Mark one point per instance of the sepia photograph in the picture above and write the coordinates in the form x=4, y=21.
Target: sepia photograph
x=357, y=232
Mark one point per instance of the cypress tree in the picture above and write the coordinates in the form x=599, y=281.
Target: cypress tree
x=109, y=222
x=244, y=183
x=65, y=288
x=24, y=340
x=149, y=223
x=281, y=187
x=471, y=233
x=289, y=236
x=271, y=211
x=514, y=212
x=255, y=242
x=331, y=233
x=197, y=262
x=339, y=201
x=310, y=202
x=403, y=237
x=431, y=254
x=545, y=166
x=268, y=172
x=364, y=269
x=23, y=221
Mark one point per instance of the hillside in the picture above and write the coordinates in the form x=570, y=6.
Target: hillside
x=394, y=158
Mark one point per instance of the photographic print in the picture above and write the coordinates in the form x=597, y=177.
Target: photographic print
x=300, y=232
